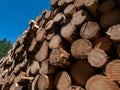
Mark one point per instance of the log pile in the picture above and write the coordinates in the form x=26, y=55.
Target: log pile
x=75, y=46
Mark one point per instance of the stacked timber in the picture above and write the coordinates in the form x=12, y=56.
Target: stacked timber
x=73, y=46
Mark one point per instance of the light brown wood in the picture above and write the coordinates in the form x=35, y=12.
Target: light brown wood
x=92, y=6
x=100, y=82
x=47, y=14
x=55, y=42
x=112, y=70
x=53, y=3
x=79, y=3
x=34, y=83
x=33, y=45
x=59, y=57
x=90, y=30
x=38, y=18
x=50, y=34
x=43, y=52
x=80, y=48
x=81, y=71
x=31, y=22
x=106, y=19
x=61, y=3
x=68, y=32
x=114, y=33
x=35, y=27
x=49, y=24
x=74, y=87
x=97, y=58
x=69, y=10
x=102, y=43
x=79, y=17
x=107, y=6
x=69, y=1
x=63, y=77
x=41, y=35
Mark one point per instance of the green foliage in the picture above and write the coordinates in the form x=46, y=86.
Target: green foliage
x=5, y=46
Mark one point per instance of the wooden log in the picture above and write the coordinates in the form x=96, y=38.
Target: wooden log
x=42, y=22
x=43, y=52
x=32, y=22
x=55, y=42
x=97, y=58
x=34, y=83
x=59, y=18
x=19, y=77
x=59, y=57
x=69, y=10
x=53, y=3
x=34, y=68
x=81, y=71
x=92, y=6
x=112, y=70
x=56, y=11
x=113, y=33
x=100, y=82
x=2, y=81
x=68, y=32
x=69, y=1
x=107, y=6
x=80, y=48
x=102, y=43
x=15, y=86
x=63, y=81
x=90, y=30
x=106, y=19
x=43, y=82
x=33, y=45
x=79, y=3
x=49, y=24
x=35, y=27
x=38, y=18
x=79, y=17
x=47, y=14
x=41, y=35
x=61, y=3
x=74, y=87
x=50, y=34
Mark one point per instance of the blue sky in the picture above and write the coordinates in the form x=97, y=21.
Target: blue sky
x=15, y=15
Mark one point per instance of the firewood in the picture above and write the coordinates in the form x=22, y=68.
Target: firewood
x=63, y=81
x=19, y=77
x=47, y=14
x=43, y=82
x=106, y=19
x=42, y=22
x=90, y=30
x=68, y=32
x=112, y=70
x=102, y=43
x=15, y=86
x=97, y=58
x=59, y=57
x=1, y=81
x=49, y=25
x=79, y=3
x=38, y=18
x=92, y=6
x=61, y=3
x=41, y=35
x=33, y=45
x=69, y=1
x=50, y=34
x=81, y=71
x=44, y=67
x=55, y=42
x=56, y=11
x=80, y=48
x=53, y=3
x=107, y=6
x=70, y=10
x=31, y=22
x=35, y=27
x=43, y=52
x=34, y=67
x=79, y=17
x=100, y=82
x=74, y=87
x=34, y=83
x=113, y=33
x=59, y=18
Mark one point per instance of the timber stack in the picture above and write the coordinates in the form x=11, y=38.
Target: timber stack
x=73, y=46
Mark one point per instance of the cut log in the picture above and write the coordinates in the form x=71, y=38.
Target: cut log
x=15, y=86
x=68, y=32
x=112, y=70
x=41, y=35
x=79, y=17
x=80, y=48
x=106, y=19
x=55, y=42
x=69, y=1
x=63, y=81
x=43, y=52
x=97, y=58
x=61, y=3
x=107, y=6
x=114, y=33
x=35, y=27
x=74, y=87
x=50, y=34
x=34, y=83
x=100, y=82
x=102, y=43
x=43, y=82
x=90, y=30
x=53, y=3
x=81, y=71
x=69, y=10
x=19, y=77
x=59, y=57
x=32, y=22
x=79, y=3
x=92, y=6
x=49, y=25
x=33, y=45
x=34, y=68
x=47, y=14
x=38, y=18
